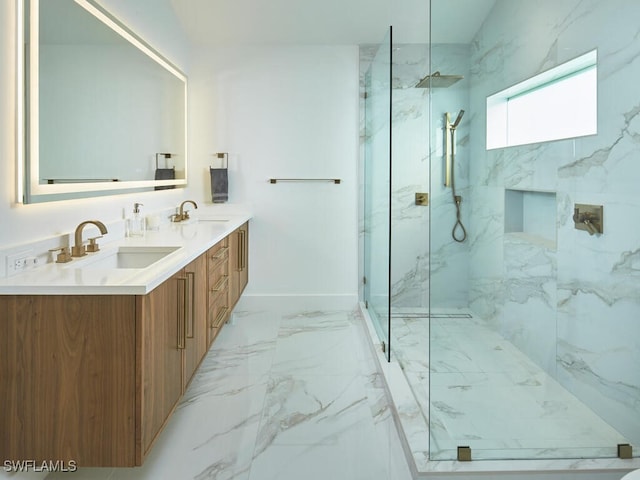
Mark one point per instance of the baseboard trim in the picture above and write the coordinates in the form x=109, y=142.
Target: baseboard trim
x=297, y=302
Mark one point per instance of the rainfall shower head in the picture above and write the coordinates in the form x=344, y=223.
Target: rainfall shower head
x=436, y=80
x=455, y=124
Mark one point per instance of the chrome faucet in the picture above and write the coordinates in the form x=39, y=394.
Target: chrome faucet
x=78, y=249
x=184, y=215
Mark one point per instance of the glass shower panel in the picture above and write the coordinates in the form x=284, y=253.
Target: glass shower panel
x=377, y=203
x=410, y=214
x=533, y=331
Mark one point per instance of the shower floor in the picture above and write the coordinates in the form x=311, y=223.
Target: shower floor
x=486, y=394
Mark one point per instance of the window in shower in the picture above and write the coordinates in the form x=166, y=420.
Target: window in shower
x=556, y=104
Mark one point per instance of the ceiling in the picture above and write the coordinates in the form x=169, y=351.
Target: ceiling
x=328, y=22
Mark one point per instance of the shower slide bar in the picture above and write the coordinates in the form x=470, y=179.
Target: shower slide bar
x=450, y=176
x=449, y=145
x=332, y=180
x=447, y=149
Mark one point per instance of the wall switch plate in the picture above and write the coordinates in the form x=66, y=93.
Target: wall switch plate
x=21, y=261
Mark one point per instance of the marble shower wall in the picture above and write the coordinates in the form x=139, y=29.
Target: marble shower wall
x=449, y=286
x=410, y=174
x=412, y=138
x=569, y=300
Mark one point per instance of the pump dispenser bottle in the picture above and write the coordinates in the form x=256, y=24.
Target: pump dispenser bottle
x=136, y=224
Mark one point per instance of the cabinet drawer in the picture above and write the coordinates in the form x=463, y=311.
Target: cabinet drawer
x=218, y=255
x=218, y=291
x=218, y=314
x=217, y=272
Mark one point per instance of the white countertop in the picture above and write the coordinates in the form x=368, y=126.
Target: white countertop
x=194, y=237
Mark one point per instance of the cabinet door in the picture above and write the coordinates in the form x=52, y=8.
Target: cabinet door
x=161, y=329
x=238, y=262
x=67, y=379
x=234, y=267
x=244, y=258
x=195, y=328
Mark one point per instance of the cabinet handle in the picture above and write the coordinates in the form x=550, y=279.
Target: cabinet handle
x=220, y=253
x=238, y=251
x=221, y=314
x=243, y=250
x=182, y=312
x=221, y=284
x=190, y=308
x=242, y=246
x=239, y=245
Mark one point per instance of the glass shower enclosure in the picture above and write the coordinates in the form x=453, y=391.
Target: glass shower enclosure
x=377, y=188
x=520, y=340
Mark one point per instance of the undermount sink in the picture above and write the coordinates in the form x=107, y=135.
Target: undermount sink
x=130, y=257
x=203, y=219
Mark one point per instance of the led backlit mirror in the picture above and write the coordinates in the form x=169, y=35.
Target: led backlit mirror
x=104, y=113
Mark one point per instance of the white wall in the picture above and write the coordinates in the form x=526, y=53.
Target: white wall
x=285, y=112
x=281, y=111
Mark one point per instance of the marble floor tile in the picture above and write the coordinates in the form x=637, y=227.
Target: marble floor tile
x=281, y=395
x=313, y=343
x=477, y=389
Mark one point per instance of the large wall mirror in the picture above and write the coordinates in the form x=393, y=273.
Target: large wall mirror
x=104, y=112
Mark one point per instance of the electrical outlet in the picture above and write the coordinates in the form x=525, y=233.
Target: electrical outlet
x=21, y=261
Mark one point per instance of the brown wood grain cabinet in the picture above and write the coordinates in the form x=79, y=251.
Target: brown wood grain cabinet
x=238, y=262
x=67, y=379
x=94, y=378
x=195, y=326
x=160, y=370
x=218, y=275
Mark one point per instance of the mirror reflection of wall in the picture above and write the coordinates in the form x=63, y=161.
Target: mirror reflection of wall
x=105, y=108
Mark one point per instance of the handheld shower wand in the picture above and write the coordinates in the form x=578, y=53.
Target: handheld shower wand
x=455, y=124
x=457, y=199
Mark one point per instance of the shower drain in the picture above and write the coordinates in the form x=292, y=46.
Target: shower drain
x=431, y=315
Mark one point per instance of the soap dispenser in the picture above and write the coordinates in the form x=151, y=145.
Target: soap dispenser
x=136, y=224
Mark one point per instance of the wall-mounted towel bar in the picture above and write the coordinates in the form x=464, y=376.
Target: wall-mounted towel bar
x=332, y=180
x=223, y=157
x=51, y=181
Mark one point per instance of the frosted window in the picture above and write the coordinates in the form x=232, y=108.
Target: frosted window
x=560, y=103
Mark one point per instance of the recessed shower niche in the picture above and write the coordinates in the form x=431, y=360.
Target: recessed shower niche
x=532, y=214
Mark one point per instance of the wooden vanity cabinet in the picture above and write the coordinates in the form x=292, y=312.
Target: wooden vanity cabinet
x=94, y=378
x=67, y=379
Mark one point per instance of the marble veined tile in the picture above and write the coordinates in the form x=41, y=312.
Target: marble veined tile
x=250, y=327
x=349, y=460
x=476, y=388
x=263, y=405
x=314, y=409
x=316, y=343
